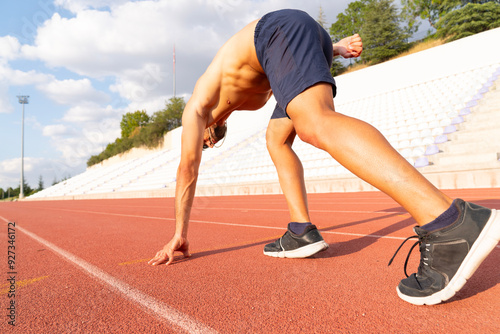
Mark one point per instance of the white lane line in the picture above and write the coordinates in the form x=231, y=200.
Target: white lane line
x=240, y=225
x=164, y=311
x=231, y=224
x=243, y=210
x=246, y=225
x=322, y=232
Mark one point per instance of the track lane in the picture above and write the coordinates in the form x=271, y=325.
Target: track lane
x=230, y=286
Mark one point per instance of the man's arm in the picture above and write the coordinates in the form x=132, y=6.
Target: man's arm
x=349, y=47
x=187, y=175
x=195, y=118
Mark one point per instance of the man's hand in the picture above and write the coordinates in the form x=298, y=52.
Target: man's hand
x=166, y=255
x=349, y=47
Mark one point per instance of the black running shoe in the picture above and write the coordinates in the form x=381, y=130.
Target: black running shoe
x=449, y=256
x=294, y=246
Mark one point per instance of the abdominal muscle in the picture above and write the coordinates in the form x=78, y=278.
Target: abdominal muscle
x=242, y=82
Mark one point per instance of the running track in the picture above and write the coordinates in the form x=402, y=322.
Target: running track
x=81, y=268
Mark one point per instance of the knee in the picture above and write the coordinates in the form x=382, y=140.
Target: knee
x=272, y=142
x=311, y=136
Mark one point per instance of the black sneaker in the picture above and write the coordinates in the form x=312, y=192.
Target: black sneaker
x=295, y=246
x=449, y=256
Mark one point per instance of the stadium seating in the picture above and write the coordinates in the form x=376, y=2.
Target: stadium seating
x=416, y=114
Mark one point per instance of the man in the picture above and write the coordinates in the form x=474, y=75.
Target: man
x=286, y=53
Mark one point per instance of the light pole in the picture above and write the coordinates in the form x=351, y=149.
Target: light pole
x=23, y=99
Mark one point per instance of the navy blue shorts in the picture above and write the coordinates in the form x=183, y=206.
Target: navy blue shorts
x=295, y=53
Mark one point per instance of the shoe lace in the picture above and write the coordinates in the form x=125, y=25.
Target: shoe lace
x=423, y=250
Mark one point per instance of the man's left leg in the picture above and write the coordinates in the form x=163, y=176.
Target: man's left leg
x=302, y=239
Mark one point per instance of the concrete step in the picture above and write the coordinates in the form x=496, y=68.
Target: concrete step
x=481, y=117
x=459, y=147
x=473, y=126
x=465, y=159
x=470, y=166
x=471, y=136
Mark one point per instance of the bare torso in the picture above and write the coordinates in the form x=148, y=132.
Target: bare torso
x=234, y=80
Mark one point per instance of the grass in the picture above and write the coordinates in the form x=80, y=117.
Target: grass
x=421, y=47
x=414, y=49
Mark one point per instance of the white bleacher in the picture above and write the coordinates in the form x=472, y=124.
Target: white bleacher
x=416, y=101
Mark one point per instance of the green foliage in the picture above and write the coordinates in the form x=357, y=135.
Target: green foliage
x=171, y=116
x=142, y=131
x=350, y=22
x=382, y=32
x=433, y=10
x=40, y=183
x=380, y=26
x=132, y=120
x=429, y=10
x=11, y=194
x=337, y=68
x=469, y=20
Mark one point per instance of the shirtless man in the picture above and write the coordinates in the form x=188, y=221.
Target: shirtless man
x=286, y=53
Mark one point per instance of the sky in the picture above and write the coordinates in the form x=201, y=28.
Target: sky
x=85, y=63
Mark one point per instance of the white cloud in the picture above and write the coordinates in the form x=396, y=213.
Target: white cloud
x=91, y=131
x=11, y=165
x=71, y=92
x=9, y=48
x=127, y=44
x=10, y=77
x=22, y=78
x=133, y=36
x=79, y=5
x=33, y=122
x=88, y=113
x=56, y=130
x=5, y=106
x=10, y=172
x=77, y=149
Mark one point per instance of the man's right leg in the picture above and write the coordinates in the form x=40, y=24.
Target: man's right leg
x=302, y=239
x=279, y=139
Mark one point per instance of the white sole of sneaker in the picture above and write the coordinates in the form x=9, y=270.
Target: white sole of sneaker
x=484, y=244
x=301, y=252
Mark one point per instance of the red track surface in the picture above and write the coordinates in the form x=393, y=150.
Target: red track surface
x=88, y=272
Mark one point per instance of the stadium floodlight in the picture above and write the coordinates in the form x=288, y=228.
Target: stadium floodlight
x=23, y=99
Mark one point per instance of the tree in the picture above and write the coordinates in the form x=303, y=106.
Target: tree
x=383, y=35
x=138, y=129
x=379, y=24
x=132, y=120
x=321, y=17
x=337, y=68
x=429, y=10
x=433, y=10
x=350, y=22
x=40, y=184
x=170, y=117
x=469, y=20
x=162, y=121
